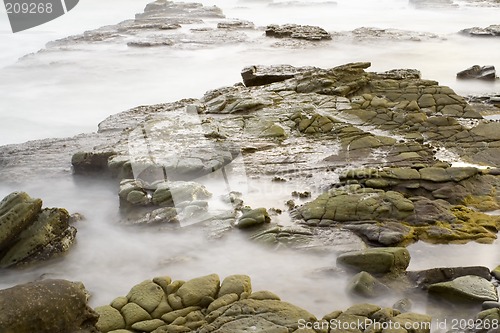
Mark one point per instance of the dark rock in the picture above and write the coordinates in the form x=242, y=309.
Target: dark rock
x=491, y=31
x=30, y=233
x=486, y=73
x=306, y=32
x=490, y=305
x=427, y=277
x=46, y=307
x=84, y=162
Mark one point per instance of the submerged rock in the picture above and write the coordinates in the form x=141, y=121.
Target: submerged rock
x=29, y=233
x=46, y=307
x=487, y=73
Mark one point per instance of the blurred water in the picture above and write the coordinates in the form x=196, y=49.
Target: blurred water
x=64, y=93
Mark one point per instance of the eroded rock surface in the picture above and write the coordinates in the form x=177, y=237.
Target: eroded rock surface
x=206, y=305
x=29, y=233
x=46, y=307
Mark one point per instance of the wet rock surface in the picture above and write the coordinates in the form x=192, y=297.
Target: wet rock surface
x=46, y=307
x=477, y=72
x=29, y=233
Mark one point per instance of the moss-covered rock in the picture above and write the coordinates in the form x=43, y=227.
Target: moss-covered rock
x=376, y=260
x=29, y=233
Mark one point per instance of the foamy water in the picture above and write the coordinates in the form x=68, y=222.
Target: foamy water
x=63, y=93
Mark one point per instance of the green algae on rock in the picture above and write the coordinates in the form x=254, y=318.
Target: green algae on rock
x=30, y=233
x=236, y=309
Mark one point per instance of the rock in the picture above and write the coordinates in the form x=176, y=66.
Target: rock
x=487, y=130
x=198, y=290
x=110, y=319
x=427, y=277
x=29, y=233
x=236, y=24
x=496, y=272
x=376, y=260
x=490, y=305
x=147, y=295
x=403, y=305
x=467, y=288
x=487, y=73
x=85, y=162
x=236, y=284
x=262, y=75
x=306, y=32
x=365, y=285
x=133, y=313
x=46, y=307
x=273, y=316
x=491, y=31
x=253, y=218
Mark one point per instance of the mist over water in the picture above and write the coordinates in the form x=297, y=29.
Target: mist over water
x=64, y=92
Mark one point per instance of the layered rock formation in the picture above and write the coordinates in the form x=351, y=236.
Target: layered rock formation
x=29, y=233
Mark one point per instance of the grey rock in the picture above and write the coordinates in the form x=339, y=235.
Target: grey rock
x=487, y=73
x=306, y=32
x=469, y=288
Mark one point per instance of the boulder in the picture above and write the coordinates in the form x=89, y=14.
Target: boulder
x=469, y=288
x=376, y=260
x=199, y=290
x=253, y=218
x=366, y=285
x=487, y=73
x=46, y=307
x=29, y=233
x=427, y=277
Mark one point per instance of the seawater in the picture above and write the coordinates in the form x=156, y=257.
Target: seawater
x=69, y=91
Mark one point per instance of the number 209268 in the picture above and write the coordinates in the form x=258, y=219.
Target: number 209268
x=28, y=8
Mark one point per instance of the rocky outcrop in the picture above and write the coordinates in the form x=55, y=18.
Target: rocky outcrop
x=490, y=31
x=457, y=185
x=206, y=305
x=487, y=73
x=307, y=32
x=388, y=218
x=46, y=307
x=29, y=233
